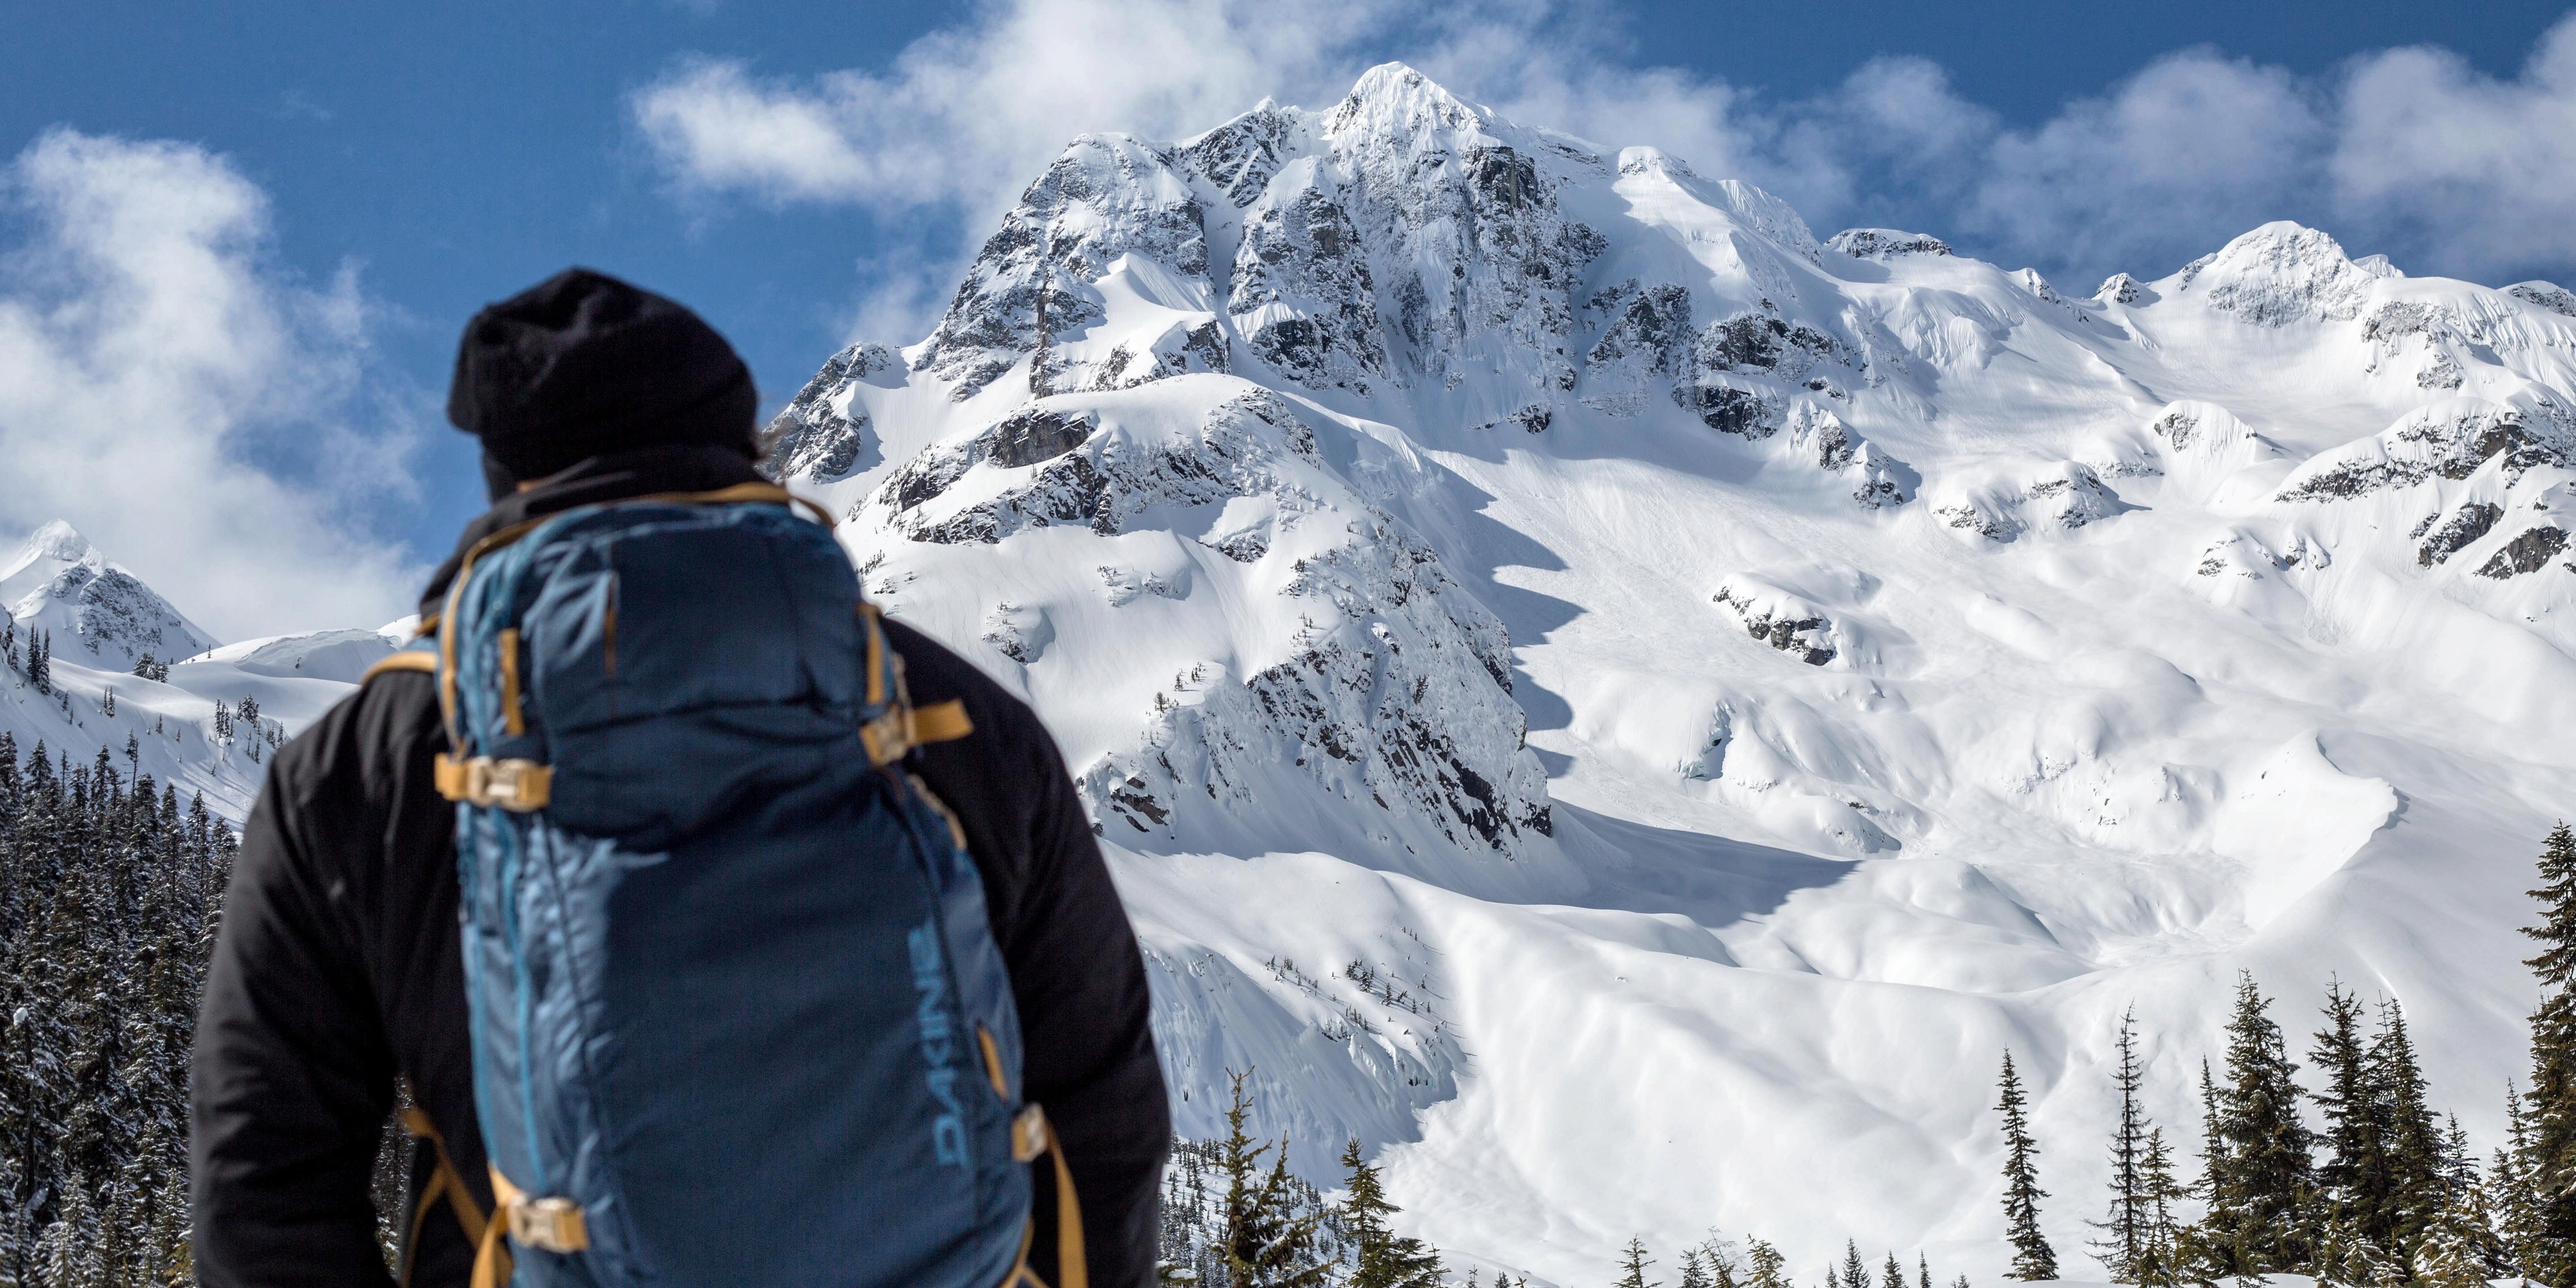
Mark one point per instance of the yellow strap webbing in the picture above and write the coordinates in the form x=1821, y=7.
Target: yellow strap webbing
x=410, y=659
x=941, y=722
x=444, y=1183
x=1031, y=1135
x=1072, y=1269
x=493, y=1265
x=903, y=728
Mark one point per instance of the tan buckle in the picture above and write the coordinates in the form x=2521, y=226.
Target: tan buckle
x=520, y=786
x=1029, y=1134
x=554, y=1224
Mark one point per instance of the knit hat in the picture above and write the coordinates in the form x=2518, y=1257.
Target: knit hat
x=582, y=365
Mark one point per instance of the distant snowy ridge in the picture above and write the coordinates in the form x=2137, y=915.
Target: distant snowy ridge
x=102, y=622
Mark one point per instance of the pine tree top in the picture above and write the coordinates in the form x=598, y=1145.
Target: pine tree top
x=2557, y=896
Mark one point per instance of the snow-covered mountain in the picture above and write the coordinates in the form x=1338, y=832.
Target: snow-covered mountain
x=101, y=621
x=1629, y=708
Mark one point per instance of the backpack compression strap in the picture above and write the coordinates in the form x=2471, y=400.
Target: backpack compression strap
x=1032, y=1135
x=443, y=1184
x=903, y=726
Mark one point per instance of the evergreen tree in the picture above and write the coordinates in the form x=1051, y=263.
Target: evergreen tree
x=2032, y=1257
x=2353, y=1178
x=40, y=662
x=2122, y=1249
x=1266, y=1243
x=1891, y=1275
x=2549, y=1166
x=1717, y=1261
x=1922, y=1271
x=1694, y=1274
x=108, y=900
x=1855, y=1274
x=2261, y=1175
x=1380, y=1258
x=2459, y=1247
x=1763, y=1265
x=2516, y=1203
x=2411, y=1141
x=2165, y=1258
x=1633, y=1264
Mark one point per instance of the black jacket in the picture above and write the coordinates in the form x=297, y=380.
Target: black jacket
x=338, y=967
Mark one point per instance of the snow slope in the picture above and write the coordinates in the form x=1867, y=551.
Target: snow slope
x=103, y=620
x=1628, y=708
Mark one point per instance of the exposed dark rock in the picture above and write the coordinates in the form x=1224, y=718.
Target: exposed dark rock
x=2467, y=524
x=1729, y=410
x=1535, y=418
x=2529, y=552
x=1303, y=270
x=1033, y=436
x=1884, y=243
x=1806, y=638
x=808, y=439
x=1240, y=156
x=1651, y=330
x=2548, y=295
x=2120, y=288
x=2429, y=445
x=1105, y=197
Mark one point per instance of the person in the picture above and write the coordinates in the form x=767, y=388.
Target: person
x=337, y=972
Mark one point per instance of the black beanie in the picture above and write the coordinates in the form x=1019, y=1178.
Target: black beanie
x=581, y=365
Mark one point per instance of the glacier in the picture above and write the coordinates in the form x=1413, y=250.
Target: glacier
x=1627, y=707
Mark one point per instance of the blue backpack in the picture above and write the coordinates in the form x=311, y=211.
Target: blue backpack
x=738, y=1016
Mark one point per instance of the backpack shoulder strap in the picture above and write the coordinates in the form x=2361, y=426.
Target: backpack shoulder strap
x=410, y=659
x=901, y=726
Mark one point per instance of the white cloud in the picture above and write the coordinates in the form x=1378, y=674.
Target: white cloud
x=2176, y=159
x=182, y=401
x=969, y=115
x=2405, y=151
x=2484, y=168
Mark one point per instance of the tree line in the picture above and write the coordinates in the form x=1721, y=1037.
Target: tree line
x=2378, y=1191
x=109, y=892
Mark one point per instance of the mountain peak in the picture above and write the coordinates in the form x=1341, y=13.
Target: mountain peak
x=2283, y=272
x=1394, y=99
x=55, y=540
x=59, y=582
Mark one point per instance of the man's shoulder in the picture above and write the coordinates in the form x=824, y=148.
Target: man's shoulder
x=364, y=737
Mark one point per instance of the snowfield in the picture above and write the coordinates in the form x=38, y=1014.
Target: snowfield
x=1628, y=709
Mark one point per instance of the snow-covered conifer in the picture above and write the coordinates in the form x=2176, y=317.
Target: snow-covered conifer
x=2261, y=1173
x=2411, y=1139
x=2033, y=1258
x=1380, y=1258
x=2122, y=1249
x=2550, y=1163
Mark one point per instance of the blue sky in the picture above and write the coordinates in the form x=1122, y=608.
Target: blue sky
x=241, y=239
